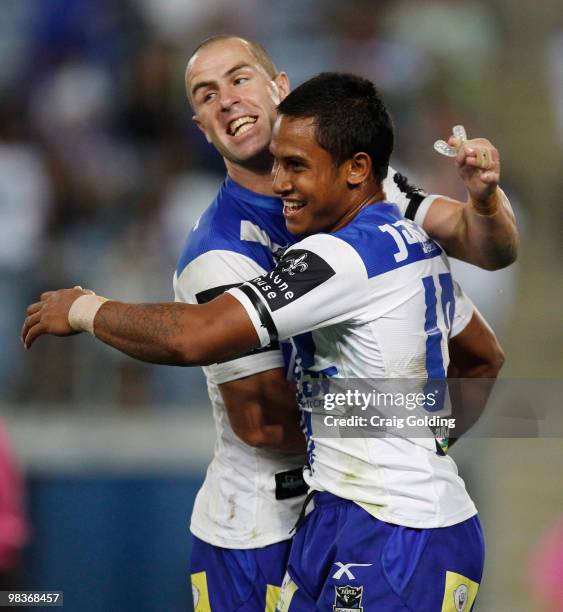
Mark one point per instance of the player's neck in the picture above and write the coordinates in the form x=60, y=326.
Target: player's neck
x=364, y=198
x=256, y=177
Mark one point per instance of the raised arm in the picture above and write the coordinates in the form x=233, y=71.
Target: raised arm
x=483, y=230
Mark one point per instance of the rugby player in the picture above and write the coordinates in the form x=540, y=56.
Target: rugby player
x=244, y=511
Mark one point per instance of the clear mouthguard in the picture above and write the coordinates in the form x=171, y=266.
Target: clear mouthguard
x=442, y=147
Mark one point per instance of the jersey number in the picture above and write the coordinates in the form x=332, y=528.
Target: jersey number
x=434, y=359
x=403, y=233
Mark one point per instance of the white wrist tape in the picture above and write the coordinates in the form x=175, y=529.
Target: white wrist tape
x=83, y=311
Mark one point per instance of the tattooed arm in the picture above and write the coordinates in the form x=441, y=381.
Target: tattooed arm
x=168, y=333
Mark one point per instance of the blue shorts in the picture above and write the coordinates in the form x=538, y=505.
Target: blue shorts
x=228, y=580
x=345, y=560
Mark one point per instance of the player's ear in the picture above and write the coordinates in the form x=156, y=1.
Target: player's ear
x=359, y=169
x=282, y=81
x=200, y=126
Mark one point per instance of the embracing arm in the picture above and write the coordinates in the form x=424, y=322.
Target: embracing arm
x=476, y=358
x=475, y=352
x=263, y=411
x=262, y=408
x=481, y=231
x=167, y=333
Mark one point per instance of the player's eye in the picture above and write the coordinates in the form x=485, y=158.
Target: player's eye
x=207, y=97
x=241, y=80
x=295, y=165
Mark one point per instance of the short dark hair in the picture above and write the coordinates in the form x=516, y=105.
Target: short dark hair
x=349, y=117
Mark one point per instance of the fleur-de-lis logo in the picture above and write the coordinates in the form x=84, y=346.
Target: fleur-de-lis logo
x=296, y=265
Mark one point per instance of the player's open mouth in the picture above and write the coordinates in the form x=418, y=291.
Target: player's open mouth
x=292, y=207
x=240, y=126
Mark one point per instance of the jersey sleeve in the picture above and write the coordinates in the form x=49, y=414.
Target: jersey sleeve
x=320, y=281
x=209, y=276
x=413, y=202
x=464, y=309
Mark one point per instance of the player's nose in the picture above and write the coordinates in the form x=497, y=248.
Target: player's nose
x=281, y=185
x=228, y=99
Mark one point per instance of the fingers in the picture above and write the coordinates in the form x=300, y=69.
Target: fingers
x=33, y=332
x=480, y=156
x=33, y=308
x=490, y=177
x=49, y=314
x=31, y=329
x=477, y=152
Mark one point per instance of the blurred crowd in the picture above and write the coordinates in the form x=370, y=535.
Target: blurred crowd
x=102, y=171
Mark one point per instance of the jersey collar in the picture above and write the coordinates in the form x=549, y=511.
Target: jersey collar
x=250, y=197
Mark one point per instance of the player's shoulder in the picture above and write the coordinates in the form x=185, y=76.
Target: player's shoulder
x=231, y=225
x=413, y=202
x=206, y=234
x=354, y=246
x=385, y=240
x=363, y=231
x=316, y=251
x=396, y=181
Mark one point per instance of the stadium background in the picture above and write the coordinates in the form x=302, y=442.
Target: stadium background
x=101, y=175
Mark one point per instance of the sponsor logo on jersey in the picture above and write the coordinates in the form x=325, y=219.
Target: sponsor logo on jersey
x=461, y=595
x=348, y=599
x=297, y=264
x=298, y=272
x=344, y=569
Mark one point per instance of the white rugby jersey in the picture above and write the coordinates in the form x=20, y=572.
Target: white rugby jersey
x=374, y=300
x=235, y=240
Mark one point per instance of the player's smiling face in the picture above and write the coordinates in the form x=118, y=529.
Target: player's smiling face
x=313, y=188
x=234, y=99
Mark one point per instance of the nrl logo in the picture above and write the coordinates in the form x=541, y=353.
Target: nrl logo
x=460, y=598
x=348, y=599
x=296, y=265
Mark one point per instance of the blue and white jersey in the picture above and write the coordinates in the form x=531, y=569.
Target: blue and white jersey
x=374, y=300
x=238, y=238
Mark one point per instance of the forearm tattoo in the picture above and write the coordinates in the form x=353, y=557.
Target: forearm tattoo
x=146, y=331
